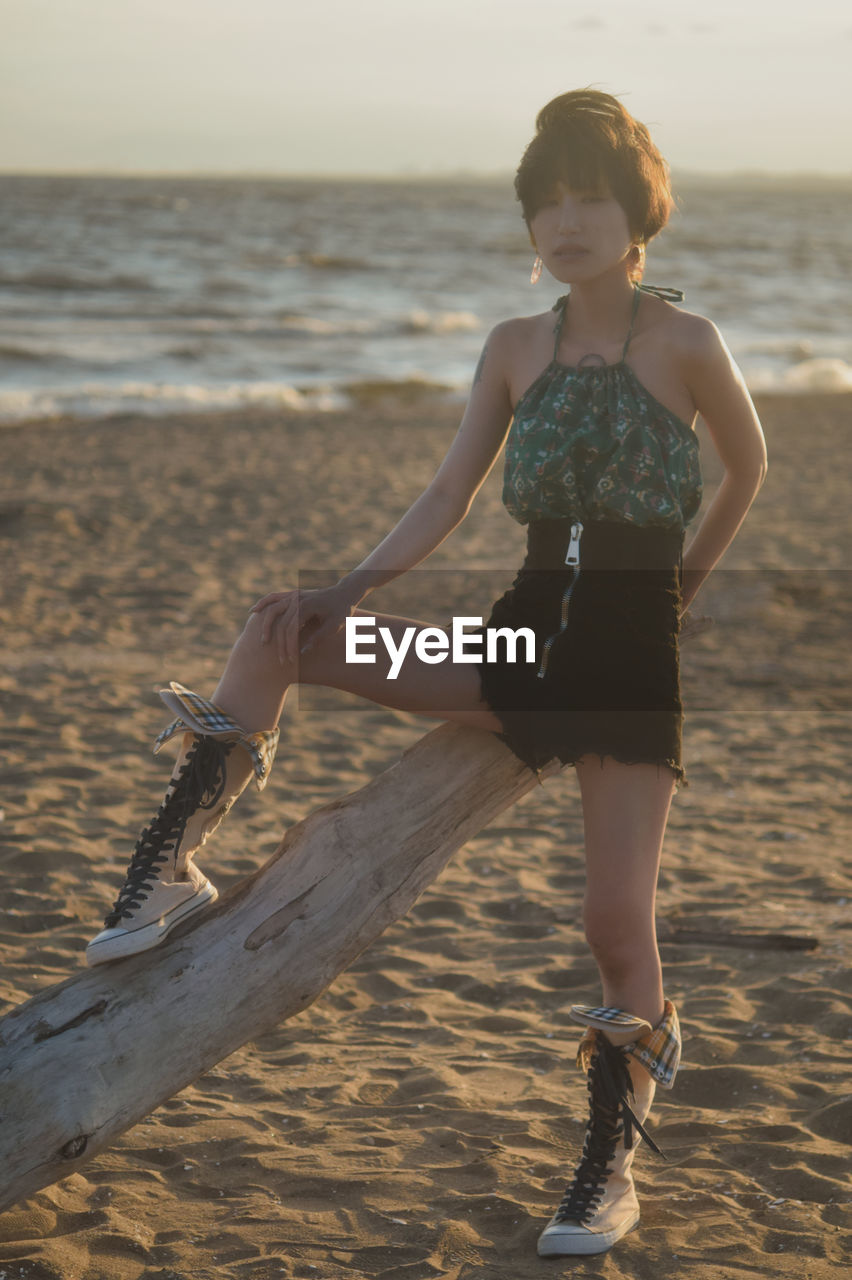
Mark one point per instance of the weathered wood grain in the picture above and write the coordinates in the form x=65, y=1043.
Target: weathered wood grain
x=85, y=1060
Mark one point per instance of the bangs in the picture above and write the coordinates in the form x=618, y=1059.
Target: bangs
x=580, y=163
x=578, y=168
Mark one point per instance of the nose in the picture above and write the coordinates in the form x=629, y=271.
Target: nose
x=569, y=212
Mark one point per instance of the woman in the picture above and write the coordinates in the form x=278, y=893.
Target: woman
x=595, y=401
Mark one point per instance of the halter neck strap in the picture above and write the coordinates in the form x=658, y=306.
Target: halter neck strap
x=662, y=291
x=636, y=296
x=559, y=306
x=659, y=291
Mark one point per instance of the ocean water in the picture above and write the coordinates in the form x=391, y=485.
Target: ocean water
x=128, y=295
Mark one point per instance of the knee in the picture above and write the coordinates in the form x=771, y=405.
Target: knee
x=250, y=648
x=618, y=934
x=251, y=634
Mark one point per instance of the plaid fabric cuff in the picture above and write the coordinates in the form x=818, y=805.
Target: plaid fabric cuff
x=657, y=1049
x=203, y=717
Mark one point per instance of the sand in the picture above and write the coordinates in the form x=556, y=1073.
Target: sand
x=421, y=1119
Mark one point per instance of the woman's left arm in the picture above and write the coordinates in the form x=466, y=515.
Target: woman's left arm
x=722, y=399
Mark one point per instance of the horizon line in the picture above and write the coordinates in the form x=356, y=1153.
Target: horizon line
x=442, y=175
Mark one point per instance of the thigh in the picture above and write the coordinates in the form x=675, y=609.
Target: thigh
x=443, y=690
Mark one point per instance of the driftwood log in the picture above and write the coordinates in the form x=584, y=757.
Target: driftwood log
x=83, y=1061
x=721, y=936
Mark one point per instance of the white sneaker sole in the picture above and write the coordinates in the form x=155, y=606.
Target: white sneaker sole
x=560, y=1242
x=124, y=940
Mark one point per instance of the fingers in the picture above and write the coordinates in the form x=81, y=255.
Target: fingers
x=296, y=621
x=273, y=613
x=284, y=618
x=268, y=600
x=288, y=636
x=276, y=609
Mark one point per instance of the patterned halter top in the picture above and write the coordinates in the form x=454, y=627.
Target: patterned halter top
x=591, y=441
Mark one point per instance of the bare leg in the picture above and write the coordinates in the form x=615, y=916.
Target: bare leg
x=255, y=682
x=625, y=809
x=162, y=885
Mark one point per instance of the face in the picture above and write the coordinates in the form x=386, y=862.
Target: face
x=581, y=234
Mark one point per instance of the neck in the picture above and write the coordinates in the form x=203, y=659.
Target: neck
x=601, y=308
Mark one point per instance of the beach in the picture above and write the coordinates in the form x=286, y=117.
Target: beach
x=422, y=1118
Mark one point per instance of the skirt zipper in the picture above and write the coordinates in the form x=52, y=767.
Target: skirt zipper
x=572, y=558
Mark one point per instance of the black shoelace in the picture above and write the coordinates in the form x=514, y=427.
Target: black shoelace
x=199, y=784
x=611, y=1118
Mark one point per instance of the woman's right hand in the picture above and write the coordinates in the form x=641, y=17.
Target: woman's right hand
x=296, y=620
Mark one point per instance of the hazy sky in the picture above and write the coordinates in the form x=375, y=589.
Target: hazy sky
x=382, y=86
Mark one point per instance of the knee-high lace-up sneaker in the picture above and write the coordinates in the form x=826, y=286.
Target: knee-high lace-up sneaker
x=624, y=1058
x=162, y=885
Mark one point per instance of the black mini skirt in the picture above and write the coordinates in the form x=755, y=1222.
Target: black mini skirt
x=606, y=675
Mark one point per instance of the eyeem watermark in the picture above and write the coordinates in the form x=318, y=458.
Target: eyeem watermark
x=433, y=644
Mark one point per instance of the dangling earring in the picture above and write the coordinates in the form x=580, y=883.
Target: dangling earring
x=535, y=274
x=637, y=255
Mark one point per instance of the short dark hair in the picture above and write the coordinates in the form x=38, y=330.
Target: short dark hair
x=589, y=141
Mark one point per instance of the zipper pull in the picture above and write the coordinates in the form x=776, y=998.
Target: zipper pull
x=572, y=555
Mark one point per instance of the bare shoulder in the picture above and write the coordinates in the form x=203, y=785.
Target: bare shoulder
x=521, y=332
x=519, y=348
x=697, y=351
x=496, y=373
x=696, y=340
x=719, y=392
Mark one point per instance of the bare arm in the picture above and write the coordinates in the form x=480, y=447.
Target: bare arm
x=724, y=403
x=447, y=499
x=439, y=509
